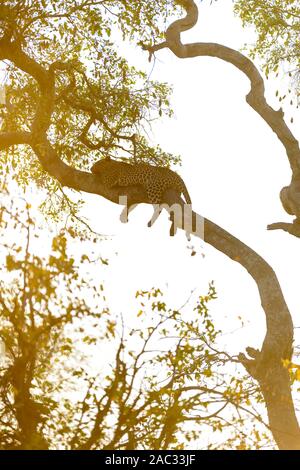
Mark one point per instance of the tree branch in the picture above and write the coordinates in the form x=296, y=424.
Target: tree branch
x=12, y=51
x=255, y=98
x=293, y=229
x=266, y=367
x=7, y=139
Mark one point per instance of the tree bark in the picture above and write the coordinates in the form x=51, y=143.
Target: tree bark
x=255, y=98
x=265, y=365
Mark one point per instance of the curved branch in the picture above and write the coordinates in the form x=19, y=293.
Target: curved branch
x=12, y=51
x=255, y=98
x=266, y=366
x=88, y=108
x=293, y=229
x=7, y=139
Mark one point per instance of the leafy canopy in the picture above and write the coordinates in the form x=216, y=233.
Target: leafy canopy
x=103, y=106
x=277, y=23
x=75, y=376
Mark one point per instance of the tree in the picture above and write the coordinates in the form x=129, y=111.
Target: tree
x=278, y=26
x=65, y=98
x=166, y=380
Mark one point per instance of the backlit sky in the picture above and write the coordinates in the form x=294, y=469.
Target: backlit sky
x=234, y=168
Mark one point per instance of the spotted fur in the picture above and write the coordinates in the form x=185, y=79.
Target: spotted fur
x=155, y=179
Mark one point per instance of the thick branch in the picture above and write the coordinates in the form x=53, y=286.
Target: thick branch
x=266, y=367
x=7, y=139
x=37, y=138
x=293, y=229
x=255, y=98
x=13, y=52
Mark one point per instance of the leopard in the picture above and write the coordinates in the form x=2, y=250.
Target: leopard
x=154, y=179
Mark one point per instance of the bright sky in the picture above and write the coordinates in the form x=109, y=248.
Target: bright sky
x=234, y=168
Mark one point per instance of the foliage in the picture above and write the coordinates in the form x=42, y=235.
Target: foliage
x=103, y=105
x=277, y=23
x=162, y=389
x=165, y=388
